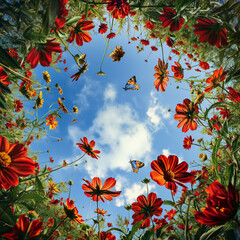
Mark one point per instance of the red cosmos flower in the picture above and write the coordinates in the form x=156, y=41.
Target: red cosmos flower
x=175, y=52
x=169, y=42
x=233, y=95
x=187, y=142
x=88, y=147
x=171, y=214
x=145, y=208
x=154, y=48
x=221, y=206
x=168, y=172
x=25, y=228
x=178, y=70
x=111, y=35
x=161, y=75
x=216, y=79
x=72, y=212
x=118, y=8
x=62, y=13
x=13, y=163
x=79, y=32
x=98, y=191
x=107, y=236
x=102, y=28
x=150, y=25
x=190, y=56
x=43, y=53
x=185, y=114
x=109, y=224
x=144, y=42
x=18, y=105
x=212, y=32
x=169, y=18
x=224, y=112
x=216, y=122
x=4, y=77
x=100, y=211
x=204, y=65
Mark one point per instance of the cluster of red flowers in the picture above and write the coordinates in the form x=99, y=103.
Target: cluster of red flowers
x=118, y=8
x=62, y=13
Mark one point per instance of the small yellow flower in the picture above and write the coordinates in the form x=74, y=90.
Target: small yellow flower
x=75, y=109
x=117, y=54
x=62, y=106
x=101, y=73
x=46, y=77
x=51, y=122
x=39, y=101
x=53, y=186
x=60, y=90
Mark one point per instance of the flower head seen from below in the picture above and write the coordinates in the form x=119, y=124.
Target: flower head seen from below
x=43, y=53
x=169, y=18
x=102, y=28
x=81, y=70
x=100, y=211
x=187, y=142
x=101, y=73
x=167, y=171
x=88, y=147
x=185, y=114
x=72, y=212
x=4, y=77
x=145, y=208
x=107, y=236
x=178, y=71
x=14, y=163
x=97, y=191
x=221, y=206
x=211, y=31
x=18, y=105
x=75, y=109
x=79, y=32
x=117, y=54
x=51, y=121
x=118, y=8
x=24, y=229
x=46, y=77
x=215, y=80
x=40, y=100
x=111, y=35
x=62, y=106
x=161, y=75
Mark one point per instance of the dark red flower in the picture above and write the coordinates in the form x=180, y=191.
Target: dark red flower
x=13, y=163
x=62, y=13
x=154, y=48
x=169, y=42
x=150, y=25
x=118, y=8
x=97, y=191
x=216, y=123
x=233, y=95
x=145, y=208
x=88, y=148
x=170, y=18
x=168, y=172
x=175, y=52
x=178, y=71
x=43, y=53
x=107, y=236
x=204, y=65
x=187, y=142
x=171, y=214
x=18, y=105
x=72, y=212
x=215, y=80
x=4, y=77
x=221, y=206
x=144, y=42
x=185, y=114
x=25, y=229
x=212, y=32
x=224, y=112
x=102, y=28
x=79, y=32
x=111, y=35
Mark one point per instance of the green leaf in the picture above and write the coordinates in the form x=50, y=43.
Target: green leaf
x=215, y=231
x=36, y=197
x=116, y=229
x=72, y=20
x=169, y=203
x=4, y=88
x=7, y=60
x=229, y=173
x=230, y=235
x=148, y=234
x=25, y=92
x=134, y=230
x=153, y=15
x=181, y=4
x=50, y=16
x=37, y=37
x=6, y=215
x=39, y=185
x=3, y=104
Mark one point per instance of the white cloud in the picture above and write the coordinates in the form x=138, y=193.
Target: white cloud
x=110, y=93
x=166, y=152
x=118, y=134
x=156, y=113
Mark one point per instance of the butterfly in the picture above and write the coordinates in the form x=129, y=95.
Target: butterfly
x=136, y=165
x=131, y=84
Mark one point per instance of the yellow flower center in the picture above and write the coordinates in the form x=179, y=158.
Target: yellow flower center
x=5, y=159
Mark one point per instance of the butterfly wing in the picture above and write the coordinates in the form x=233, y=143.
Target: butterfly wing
x=136, y=165
x=131, y=84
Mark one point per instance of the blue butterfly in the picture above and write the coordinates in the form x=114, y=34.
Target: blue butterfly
x=131, y=84
x=136, y=165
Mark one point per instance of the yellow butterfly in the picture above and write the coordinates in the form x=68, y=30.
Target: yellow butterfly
x=131, y=84
x=136, y=165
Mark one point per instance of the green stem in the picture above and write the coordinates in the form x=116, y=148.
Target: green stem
x=51, y=233
x=98, y=221
x=186, y=222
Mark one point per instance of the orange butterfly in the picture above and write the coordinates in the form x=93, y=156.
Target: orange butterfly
x=131, y=84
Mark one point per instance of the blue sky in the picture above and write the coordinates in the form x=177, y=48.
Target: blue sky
x=124, y=124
